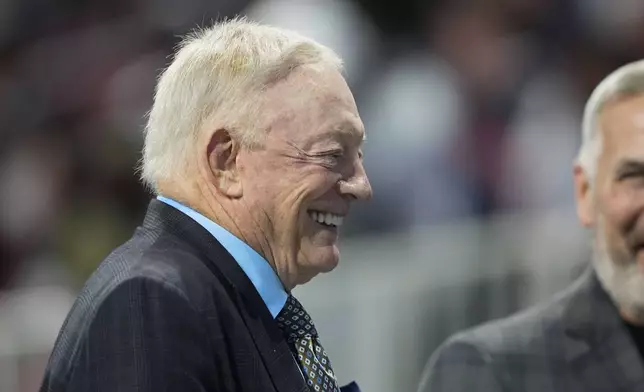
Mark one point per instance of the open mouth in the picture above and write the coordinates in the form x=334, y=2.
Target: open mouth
x=326, y=218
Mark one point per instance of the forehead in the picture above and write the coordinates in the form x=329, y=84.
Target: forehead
x=311, y=105
x=622, y=126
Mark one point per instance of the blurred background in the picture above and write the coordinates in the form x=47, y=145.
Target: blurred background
x=472, y=108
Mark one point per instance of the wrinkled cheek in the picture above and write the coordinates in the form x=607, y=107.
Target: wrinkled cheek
x=635, y=208
x=627, y=207
x=608, y=241
x=292, y=230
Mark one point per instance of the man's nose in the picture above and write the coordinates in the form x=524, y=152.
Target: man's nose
x=358, y=185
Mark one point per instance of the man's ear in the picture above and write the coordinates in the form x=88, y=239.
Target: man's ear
x=222, y=163
x=584, y=196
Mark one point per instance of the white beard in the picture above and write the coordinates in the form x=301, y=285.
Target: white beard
x=623, y=281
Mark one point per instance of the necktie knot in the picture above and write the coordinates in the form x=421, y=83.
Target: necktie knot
x=294, y=321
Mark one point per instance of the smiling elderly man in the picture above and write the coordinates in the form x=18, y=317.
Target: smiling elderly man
x=589, y=338
x=253, y=147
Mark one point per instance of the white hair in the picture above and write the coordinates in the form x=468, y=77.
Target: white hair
x=627, y=80
x=215, y=79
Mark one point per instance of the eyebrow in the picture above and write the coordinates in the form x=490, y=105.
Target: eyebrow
x=629, y=166
x=346, y=128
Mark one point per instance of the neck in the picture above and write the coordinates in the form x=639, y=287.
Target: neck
x=236, y=219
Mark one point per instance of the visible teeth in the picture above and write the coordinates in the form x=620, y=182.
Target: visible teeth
x=321, y=217
x=326, y=218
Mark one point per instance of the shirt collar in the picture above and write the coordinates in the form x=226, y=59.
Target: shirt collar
x=260, y=273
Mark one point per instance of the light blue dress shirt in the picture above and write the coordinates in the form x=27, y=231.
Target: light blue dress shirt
x=260, y=273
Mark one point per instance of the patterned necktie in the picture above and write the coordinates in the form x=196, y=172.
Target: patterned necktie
x=301, y=335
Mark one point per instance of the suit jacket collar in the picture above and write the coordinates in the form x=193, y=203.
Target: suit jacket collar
x=255, y=267
x=267, y=336
x=599, y=348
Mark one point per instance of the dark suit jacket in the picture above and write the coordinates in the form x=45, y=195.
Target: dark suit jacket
x=170, y=310
x=574, y=343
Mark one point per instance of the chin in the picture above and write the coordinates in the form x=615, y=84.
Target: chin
x=325, y=259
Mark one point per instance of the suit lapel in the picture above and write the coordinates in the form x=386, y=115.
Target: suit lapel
x=598, y=349
x=268, y=339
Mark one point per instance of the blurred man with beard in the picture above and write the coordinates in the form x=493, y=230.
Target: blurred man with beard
x=591, y=336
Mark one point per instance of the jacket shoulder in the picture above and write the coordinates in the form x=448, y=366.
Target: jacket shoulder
x=531, y=331
x=160, y=258
x=504, y=352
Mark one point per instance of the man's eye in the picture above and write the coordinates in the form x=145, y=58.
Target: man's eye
x=632, y=175
x=335, y=154
x=331, y=159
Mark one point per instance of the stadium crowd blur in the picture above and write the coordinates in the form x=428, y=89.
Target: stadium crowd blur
x=472, y=109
